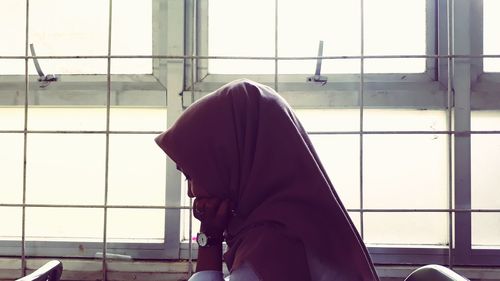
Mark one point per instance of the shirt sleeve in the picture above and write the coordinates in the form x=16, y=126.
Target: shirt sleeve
x=208, y=275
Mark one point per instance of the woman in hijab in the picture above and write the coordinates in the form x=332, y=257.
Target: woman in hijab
x=260, y=186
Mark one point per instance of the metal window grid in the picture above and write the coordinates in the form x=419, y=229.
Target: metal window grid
x=453, y=134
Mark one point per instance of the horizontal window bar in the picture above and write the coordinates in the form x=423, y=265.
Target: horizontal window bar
x=251, y=57
x=458, y=133
x=29, y=205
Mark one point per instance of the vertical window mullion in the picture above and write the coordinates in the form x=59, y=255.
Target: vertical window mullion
x=449, y=124
x=175, y=13
x=106, y=167
x=461, y=36
x=361, y=121
x=25, y=150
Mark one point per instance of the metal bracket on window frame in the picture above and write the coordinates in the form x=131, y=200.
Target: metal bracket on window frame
x=317, y=75
x=44, y=80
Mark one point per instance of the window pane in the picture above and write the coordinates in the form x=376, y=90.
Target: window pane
x=406, y=228
x=321, y=120
x=11, y=165
x=138, y=119
x=65, y=169
x=11, y=223
x=136, y=225
x=132, y=34
x=401, y=172
x=395, y=27
x=391, y=28
x=485, y=160
x=394, y=169
x=64, y=224
x=62, y=27
x=339, y=155
x=241, y=28
x=11, y=66
x=70, y=119
x=302, y=24
x=11, y=118
x=491, y=35
x=404, y=120
x=12, y=30
x=136, y=170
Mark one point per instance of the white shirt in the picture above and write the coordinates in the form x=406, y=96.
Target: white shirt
x=243, y=273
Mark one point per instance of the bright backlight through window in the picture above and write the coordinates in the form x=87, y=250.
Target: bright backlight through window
x=247, y=28
x=491, y=35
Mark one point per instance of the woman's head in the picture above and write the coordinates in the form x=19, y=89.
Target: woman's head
x=214, y=141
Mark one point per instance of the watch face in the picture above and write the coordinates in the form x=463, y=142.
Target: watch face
x=202, y=239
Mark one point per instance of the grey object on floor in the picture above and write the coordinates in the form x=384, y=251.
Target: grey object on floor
x=434, y=272
x=50, y=271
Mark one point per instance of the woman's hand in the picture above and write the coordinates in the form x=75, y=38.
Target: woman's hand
x=213, y=213
x=214, y=216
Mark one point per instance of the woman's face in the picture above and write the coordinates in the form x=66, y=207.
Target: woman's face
x=193, y=189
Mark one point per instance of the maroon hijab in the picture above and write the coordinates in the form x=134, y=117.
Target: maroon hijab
x=244, y=142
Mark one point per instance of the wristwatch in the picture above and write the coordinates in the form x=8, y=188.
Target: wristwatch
x=206, y=240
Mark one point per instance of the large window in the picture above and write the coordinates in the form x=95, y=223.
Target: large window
x=395, y=139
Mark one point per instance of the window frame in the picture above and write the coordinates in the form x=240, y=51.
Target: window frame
x=472, y=89
x=294, y=83
x=93, y=91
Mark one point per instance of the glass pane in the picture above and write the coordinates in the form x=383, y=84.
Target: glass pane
x=11, y=223
x=395, y=27
x=136, y=170
x=11, y=118
x=339, y=155
x=404, y=120
x=405, y=171
x=485, y=160
x=406, y=228
x=12, y=67
x=138, y=119
x=241, y=28
x=485, y=120
x=491, y=35
x=65, y=169
x=486, y=230
x=132, y=34
x=132, y=66
x=11, y=165
x=317, y=120
x=319, y=20
x=64, y=224
x=67, y=119
x=391, y=28
x=62, y=27
x=12, y=29
x=136, y=225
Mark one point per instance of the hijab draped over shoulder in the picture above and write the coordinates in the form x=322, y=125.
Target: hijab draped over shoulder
x=244, y=142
